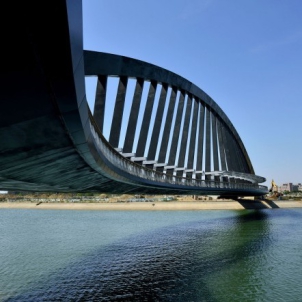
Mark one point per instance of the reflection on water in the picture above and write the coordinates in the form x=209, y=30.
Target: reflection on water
x=168, y=256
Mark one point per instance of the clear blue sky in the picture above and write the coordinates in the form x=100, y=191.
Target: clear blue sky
x=246, y=54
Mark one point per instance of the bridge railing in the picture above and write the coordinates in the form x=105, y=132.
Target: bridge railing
x=148, y=176
x=162, y=93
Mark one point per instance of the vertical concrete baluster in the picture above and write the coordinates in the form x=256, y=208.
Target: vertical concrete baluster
x=226, y=148
x=191, y=152
x=215, y=147
x=200, y=142
x=167, y=129
x=158, y=122
x=184, y=137
x=132, y=123
x=175, y=136
x=100, y=99
x=221, y=144
x=208, y=143
x=142, y=140
x=115, y=130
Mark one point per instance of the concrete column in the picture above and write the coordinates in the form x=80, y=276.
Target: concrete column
x=233, y=160
x=226, y=148
x=221, y=149
x=185, y=133
x=191, y=154
x=157, y=123
x=132, y=123
x=200, y=140
x=115, y=130
x=214, y=144
x=175, y=136
x=100, y=99
x=221, y=145
x=208, y=143
x=167, y=128
x=142, y=140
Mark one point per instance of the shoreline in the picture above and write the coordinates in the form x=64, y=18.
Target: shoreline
x=157, y=206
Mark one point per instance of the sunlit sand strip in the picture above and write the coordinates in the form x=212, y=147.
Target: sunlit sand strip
x=154, y=206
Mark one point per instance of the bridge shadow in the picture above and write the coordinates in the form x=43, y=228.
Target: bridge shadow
x=145, y=268
x=258, y=204
x=271, y=204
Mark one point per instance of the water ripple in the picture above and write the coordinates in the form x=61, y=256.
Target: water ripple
x=234, y=258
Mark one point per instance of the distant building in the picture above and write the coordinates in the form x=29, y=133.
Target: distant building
x=286, y=187
x=295, y=188
x=290, y=187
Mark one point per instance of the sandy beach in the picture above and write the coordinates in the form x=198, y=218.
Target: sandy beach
x=156, y=206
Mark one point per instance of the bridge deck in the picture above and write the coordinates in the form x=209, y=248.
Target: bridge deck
x=49, y=141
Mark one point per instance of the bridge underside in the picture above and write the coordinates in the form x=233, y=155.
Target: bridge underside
x=46, y=141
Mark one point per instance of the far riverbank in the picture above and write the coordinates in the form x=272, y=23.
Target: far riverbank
x=157, y=206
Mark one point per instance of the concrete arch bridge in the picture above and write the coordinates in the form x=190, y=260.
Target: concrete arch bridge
x=163, y=135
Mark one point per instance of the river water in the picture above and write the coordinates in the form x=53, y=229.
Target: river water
x=212, y=255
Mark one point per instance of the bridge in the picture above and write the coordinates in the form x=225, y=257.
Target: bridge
x=170, y=138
